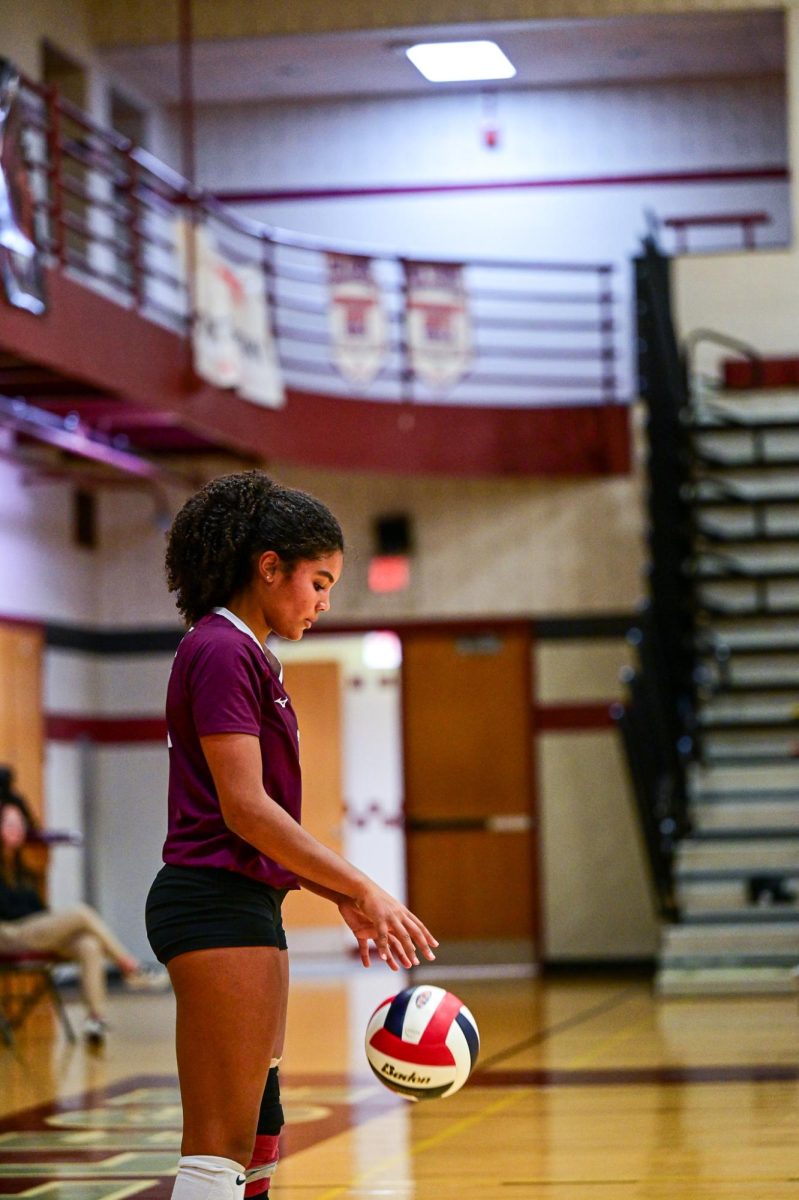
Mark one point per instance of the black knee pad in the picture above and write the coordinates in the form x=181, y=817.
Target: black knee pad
x=270, y=1117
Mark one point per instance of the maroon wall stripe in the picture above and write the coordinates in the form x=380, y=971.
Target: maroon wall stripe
x=573, y=716
x=764, y=174
x=62, y=727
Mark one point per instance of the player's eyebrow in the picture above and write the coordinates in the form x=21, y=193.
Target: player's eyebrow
x=327, y=574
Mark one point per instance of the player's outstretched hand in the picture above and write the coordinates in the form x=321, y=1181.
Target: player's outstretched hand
x=398, y=935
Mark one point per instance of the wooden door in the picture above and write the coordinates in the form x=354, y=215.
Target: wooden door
x=315, y=690
x=21, y=719
x=468, y=784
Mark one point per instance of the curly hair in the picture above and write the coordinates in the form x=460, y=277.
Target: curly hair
x=221, y=530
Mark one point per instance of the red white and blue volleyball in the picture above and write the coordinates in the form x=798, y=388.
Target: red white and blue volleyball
x=422, y=1043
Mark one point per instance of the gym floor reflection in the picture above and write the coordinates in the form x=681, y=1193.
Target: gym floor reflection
x=587, y=1088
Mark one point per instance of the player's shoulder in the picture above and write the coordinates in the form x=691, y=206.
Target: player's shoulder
x=213, y=636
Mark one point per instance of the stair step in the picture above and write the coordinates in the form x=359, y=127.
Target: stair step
x=742, y=813
x=760, y=710
x=741, y=818
x=777, y=523
x=731, y=644
x=724, y=747
x=753, y=856
x=766, y=563
x=729, y=497
x=747, y=720
x=727, y=536
x=732, y=438
x=736, y=596
x=753, y=939
x=745, y=894
x=773, y=636
x=770, y=381
x=725, y=981
x=765, y=832
x=743, y=796
x=717, y=421
x=703, y=571
x=751, y=462
x=786, y=959
x=763, y=758
x=741, y=688
x=774, y=780
x=727, y=665
x=780, y=404
x=752, y=613
x=774, y=915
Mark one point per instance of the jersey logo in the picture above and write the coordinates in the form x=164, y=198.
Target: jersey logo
x=283, y=702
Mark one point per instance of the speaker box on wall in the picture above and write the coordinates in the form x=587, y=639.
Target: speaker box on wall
x=393, y=534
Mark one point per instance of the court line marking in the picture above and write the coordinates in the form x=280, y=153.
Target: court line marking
x=596, y=1010
x=426, y=1144
x=560, y=1181
x=466, y=1123
x=613, y=1039
x=458, y=1127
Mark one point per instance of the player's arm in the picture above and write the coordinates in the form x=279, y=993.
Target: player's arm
x=361, y=927
x=234, y=760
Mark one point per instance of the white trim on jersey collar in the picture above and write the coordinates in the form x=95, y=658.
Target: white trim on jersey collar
x=244, y=628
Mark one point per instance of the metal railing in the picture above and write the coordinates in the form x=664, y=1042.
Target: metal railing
x=743, y=225
x=109, y=213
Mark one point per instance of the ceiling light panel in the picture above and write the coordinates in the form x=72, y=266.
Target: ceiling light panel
x=460, y=62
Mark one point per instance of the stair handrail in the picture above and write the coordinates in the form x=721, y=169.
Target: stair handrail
x=696, y=337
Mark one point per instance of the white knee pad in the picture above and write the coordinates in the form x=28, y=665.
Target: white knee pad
x=203, y=1177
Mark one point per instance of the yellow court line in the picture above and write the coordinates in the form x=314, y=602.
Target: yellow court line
x=465, y=1123
x=427, y=1143
x=564, y=1180
x=613, y=1039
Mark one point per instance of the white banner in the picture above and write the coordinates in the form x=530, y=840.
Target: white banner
x=231, y=334
x=21, y=271
x=357, y=320
x=438, y=324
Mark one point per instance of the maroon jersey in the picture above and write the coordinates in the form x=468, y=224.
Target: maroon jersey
x=223, y=681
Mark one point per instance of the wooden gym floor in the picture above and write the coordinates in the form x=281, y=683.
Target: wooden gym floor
x=587, y=1089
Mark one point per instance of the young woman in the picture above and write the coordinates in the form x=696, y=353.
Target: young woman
x=246, y=558
x=76, y=933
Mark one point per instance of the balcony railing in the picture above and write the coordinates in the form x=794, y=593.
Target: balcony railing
x=109, y=213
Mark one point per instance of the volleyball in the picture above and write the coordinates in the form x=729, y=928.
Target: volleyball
x=422, y=1043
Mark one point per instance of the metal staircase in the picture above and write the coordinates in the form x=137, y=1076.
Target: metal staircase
x=724, y=582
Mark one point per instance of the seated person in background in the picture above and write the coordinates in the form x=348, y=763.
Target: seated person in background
x=77, y=934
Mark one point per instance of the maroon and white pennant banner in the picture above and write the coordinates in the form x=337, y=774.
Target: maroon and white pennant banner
x=357, y=319
x=438, y=324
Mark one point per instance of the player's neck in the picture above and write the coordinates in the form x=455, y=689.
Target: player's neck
x=247, y=610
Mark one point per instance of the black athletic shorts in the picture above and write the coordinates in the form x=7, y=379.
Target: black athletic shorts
x=204, y=908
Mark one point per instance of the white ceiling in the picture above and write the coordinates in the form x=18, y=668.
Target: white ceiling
x=545, y=53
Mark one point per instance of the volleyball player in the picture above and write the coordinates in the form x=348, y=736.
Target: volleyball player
x=246, y=557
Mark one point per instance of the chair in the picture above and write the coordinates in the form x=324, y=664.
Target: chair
x=34, y=971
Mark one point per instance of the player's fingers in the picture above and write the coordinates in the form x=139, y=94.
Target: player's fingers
x=382, y=942
x=407, y=960
x=421, y=935
x=405, y=940
x=363, y=947
x=414, y=935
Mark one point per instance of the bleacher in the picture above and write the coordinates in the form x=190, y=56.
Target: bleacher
x=711, y=718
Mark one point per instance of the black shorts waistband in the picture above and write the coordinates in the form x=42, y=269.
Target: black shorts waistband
x=203, y=908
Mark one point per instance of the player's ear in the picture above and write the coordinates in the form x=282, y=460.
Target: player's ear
x=267, y=565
